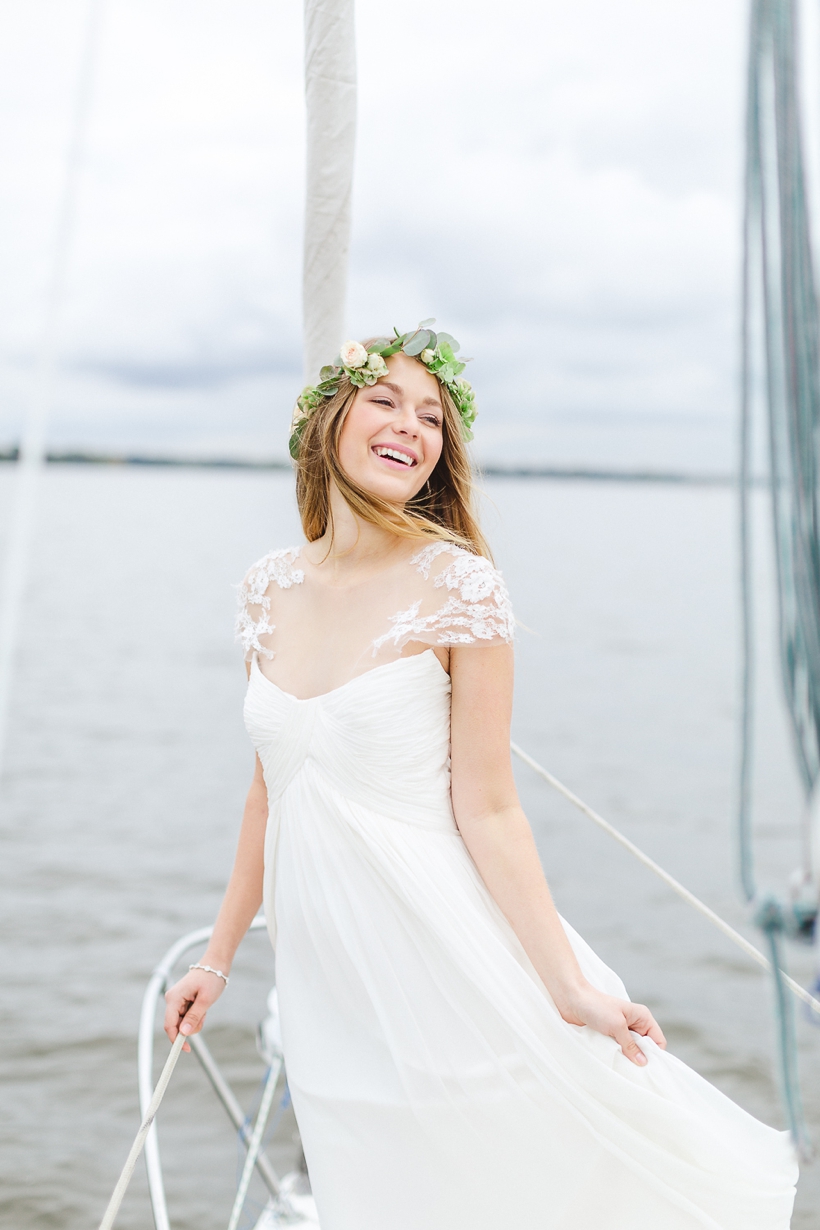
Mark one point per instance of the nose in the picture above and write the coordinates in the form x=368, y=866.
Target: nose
x=406, y=423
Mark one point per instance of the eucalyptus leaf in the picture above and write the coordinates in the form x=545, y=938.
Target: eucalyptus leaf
x=420, y=341
x=295, y=441
x=444, y=365
x=448, y=340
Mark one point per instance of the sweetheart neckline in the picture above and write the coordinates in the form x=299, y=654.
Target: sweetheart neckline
x=306, y=700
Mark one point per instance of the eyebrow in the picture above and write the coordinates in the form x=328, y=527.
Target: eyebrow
x=428, y=401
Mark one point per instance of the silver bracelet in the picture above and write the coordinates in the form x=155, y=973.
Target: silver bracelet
x=209, y=969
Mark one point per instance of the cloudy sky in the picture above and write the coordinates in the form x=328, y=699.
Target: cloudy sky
x=556, y=183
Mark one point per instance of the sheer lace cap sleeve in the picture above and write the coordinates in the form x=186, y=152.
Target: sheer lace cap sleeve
x=462, y=600
x=310, y=634
x=253, y=625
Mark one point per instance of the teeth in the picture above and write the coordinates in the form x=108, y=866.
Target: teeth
x=395, y=454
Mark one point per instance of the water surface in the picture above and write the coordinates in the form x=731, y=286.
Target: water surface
x=128, y=763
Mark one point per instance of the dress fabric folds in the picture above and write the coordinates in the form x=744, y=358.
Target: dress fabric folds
x=435, y=1084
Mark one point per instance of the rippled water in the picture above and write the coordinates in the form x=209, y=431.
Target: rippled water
x=128, y=763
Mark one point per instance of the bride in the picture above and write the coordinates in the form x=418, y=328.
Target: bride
x=458, y=1057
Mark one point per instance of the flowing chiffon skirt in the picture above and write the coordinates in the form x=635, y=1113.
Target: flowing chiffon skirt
x=434, y=1082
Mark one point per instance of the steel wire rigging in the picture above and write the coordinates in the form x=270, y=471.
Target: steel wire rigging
x=780, y=318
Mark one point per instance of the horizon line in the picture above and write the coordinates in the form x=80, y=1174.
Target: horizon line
x=490, y=470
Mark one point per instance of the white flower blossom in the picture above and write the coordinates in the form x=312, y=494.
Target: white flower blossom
x=353, y=355
x=427, y=355
x=377, y=364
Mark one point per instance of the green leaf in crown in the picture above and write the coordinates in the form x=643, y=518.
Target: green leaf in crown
x=364, y=366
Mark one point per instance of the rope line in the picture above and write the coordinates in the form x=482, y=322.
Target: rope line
x=140, y=1138
x=670, y=881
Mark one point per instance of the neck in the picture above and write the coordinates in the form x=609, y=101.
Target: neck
x=354, y=542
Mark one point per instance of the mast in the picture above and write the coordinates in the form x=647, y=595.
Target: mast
x=330, y=96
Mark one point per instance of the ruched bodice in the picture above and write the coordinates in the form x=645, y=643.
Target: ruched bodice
x=381, y=740
x=435, y=1084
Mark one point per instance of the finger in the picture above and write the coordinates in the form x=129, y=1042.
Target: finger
x=656, y=1034
x=176, y=1007
x=641, y=1021
x=172, y=1031
x=192, y=1022
x=629, y=1046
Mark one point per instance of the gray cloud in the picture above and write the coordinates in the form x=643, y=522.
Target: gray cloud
x=557, y=183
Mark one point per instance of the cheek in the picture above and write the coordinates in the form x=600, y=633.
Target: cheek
x=362, y=422
x=433, y=447
x=354, y=437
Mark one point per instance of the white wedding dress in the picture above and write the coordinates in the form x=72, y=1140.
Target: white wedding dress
x=435, y=1085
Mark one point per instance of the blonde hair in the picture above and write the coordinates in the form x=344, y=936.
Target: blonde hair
x=443, y=510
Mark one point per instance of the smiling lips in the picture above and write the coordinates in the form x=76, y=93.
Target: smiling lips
x=397, y=457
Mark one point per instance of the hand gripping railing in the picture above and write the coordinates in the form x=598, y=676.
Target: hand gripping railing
x=150, y=1098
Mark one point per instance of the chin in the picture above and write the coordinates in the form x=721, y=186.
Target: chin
x=393, y=490
x=391, y=493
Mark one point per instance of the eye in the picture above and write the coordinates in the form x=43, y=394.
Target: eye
x=432, y=419
x=383, y=401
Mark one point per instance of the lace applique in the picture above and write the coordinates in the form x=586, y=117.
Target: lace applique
x=479, y=609
x=276, y=566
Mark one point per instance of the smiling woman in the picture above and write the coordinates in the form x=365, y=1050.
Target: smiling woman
x=457, y=1055
x=344, y=432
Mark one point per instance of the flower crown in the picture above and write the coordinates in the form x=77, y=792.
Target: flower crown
x=364, y=366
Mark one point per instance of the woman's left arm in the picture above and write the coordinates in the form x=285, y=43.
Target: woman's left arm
x=499, y=838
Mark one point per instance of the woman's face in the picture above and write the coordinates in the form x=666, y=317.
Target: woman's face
x=392, y=436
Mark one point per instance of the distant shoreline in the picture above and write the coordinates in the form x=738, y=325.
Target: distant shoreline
x=493, y=470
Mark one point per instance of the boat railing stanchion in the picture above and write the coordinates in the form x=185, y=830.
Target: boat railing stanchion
x=157, y=986
x=226, y=1096
x=265, y=1107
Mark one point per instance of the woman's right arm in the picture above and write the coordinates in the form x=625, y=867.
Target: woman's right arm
x=190, y=998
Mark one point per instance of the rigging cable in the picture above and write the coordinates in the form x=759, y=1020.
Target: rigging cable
x=802, y=994
x=779, y=296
